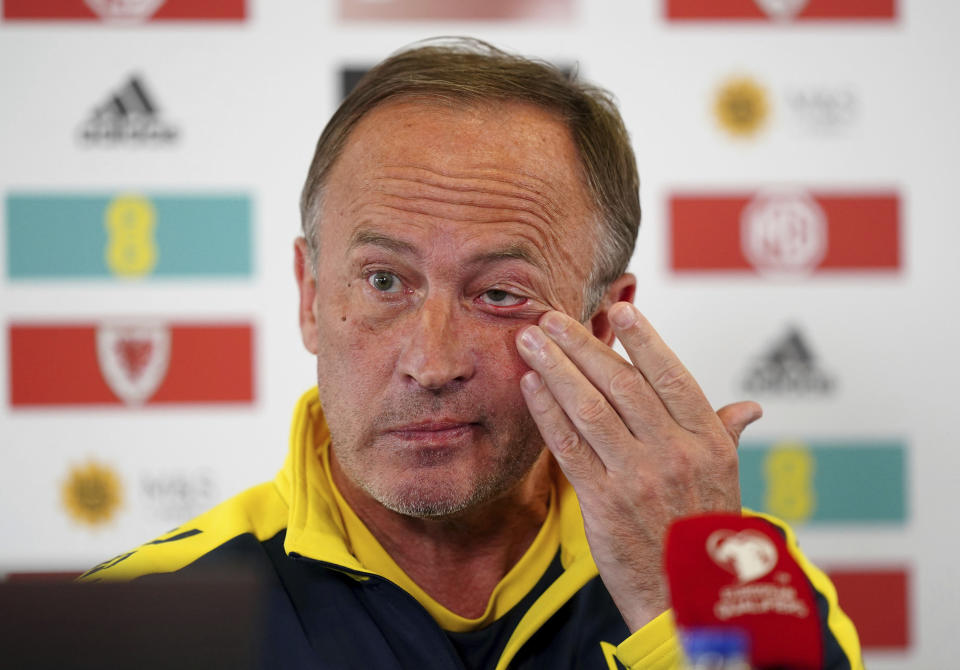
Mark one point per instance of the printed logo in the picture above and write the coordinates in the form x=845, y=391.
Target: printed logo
x=741, y=107
x=823, y=481
x=92, y=494
x=434, y=10
x=748, y=554
x=822, y=110
x=785, y=233
x=129, y=115
x=788, y=367
x=127, y=235
x=781, y=10
x=133, y=362
x=131, y=246
x=133, y=359
x=124, y=11
x=175, y=496
x=751, y=556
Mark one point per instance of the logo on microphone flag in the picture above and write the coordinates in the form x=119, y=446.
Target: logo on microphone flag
x=781, y=10
x=131, y=362
x=728, y=570
x=126, y=11
x=786, y=233
x=748, y=554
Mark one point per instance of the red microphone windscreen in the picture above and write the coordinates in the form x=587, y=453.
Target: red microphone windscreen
x=725, y=570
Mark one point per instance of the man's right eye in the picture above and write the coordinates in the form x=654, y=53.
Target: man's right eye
x=385, y=282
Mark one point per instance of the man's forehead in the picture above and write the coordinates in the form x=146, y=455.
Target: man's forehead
x=498, y=251
x=497, y=133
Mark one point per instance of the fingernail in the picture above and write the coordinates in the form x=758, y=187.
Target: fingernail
x=623, y=316
x=533, y=338
x=553, y=323
x=531, y=382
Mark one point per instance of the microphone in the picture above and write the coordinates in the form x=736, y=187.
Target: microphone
x=731, y=572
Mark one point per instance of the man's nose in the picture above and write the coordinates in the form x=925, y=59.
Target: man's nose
x=436, y=353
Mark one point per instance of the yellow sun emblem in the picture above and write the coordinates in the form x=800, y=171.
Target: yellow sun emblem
x=741, y=106
x=92, y=493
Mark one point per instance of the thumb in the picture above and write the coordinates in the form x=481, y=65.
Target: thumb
x=737, y=416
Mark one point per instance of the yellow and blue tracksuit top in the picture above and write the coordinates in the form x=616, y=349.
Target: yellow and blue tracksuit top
x=337, y=599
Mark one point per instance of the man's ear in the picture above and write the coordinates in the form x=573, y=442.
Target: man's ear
x=621, y=290
x=307, y=285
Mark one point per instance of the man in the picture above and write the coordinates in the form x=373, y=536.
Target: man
x=479, y=480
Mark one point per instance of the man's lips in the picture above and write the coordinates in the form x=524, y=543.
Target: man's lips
x=439, y=431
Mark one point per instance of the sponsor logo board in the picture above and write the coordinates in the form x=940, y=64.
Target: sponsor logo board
x=741, y=106
x=366, y=10
x=821, y=481
x=132, y=362
x=128, y=116
x=822, y=109
x=788, y=367
x=781, y=10
x=129, y=235
x=174, y=496
x=785, y=232
x=125, y=11
x=92, y=494
x=877, y=601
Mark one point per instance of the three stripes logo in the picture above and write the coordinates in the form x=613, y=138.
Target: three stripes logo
x=788, y=367
x=128, y=115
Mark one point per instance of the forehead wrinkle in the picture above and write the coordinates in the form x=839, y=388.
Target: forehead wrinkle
x=518, y=190
x=541, y=233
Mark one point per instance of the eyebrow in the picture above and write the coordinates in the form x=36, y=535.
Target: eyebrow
x=362, y=237
x=513, y=251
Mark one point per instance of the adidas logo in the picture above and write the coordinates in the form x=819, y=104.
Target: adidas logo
x=128, y=115
x=789, y=366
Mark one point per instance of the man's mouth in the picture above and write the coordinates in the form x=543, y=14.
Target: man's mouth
x=434, y=432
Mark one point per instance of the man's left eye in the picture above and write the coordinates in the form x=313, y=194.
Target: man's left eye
x=502, y=298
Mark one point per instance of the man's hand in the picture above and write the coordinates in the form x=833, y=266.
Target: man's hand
x=639, y=443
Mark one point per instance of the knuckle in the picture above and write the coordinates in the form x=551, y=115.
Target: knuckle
x=627, y=383
x=680, y=469
x=672, y=379
x=591, y=410
x=566, y=443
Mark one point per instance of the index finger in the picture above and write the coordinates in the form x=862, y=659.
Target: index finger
x=672, y=382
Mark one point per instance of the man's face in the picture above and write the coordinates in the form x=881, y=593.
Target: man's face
x=443, y=230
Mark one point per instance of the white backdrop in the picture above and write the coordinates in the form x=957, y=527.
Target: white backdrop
x=847, y=107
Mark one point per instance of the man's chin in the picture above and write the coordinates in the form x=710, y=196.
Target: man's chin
x=435, y=500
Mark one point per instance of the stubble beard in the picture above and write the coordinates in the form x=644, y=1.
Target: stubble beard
x=428, y=498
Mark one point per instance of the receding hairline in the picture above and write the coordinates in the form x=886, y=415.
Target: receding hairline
x=455, y=103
